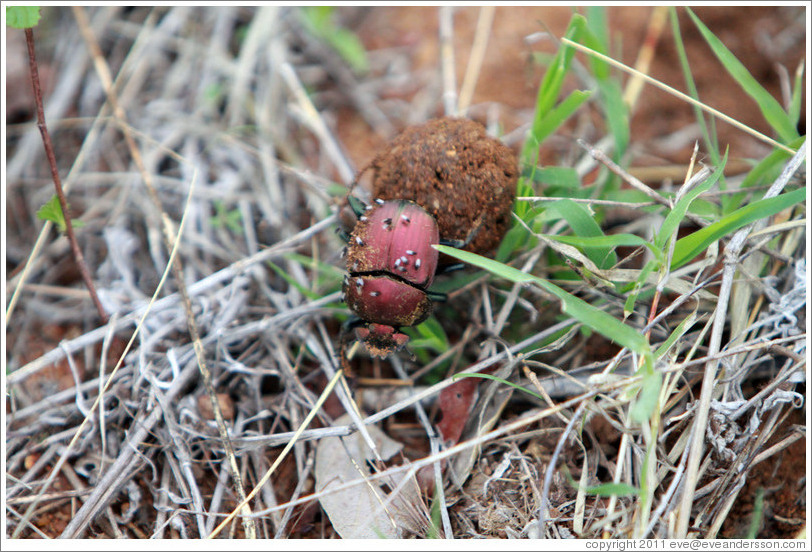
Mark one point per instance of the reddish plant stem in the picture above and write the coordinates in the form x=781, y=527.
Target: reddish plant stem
x=63, y=202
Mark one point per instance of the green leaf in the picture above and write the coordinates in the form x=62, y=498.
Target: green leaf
x=429, y=335
x=584, y=225
x=317, y=17
x=590, y=316
x=677, y=214
x=602, y=242
x=596, y=36
x=347, y=44
x=708, y=136
x=556, y=116
x=558, y=177
x=319, y=21
x=794, y=110
x=22, y=17
x=500, y=380
x=683, y=327
x=549, y=89
x=617, y=115
x=692, y=245
x=648, y=398
x=52, y=211
x=613, y=489
x=769, y=106
x=292, y=281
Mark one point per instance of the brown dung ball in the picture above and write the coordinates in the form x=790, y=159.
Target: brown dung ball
x=453, y=169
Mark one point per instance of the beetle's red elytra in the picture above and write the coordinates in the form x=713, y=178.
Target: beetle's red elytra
x=391, y=263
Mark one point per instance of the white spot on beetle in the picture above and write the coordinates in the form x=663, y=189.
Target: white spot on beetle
x=397, y=263
x=387, y=223
x=404, y=260
x=363, y=218
x=410, y=252
x=359, y=282
x=379, y=201
x=417, y=263
x=375, y=293
x=406, y=219
x=358, y=240
x=367, y=207
x=355, y=266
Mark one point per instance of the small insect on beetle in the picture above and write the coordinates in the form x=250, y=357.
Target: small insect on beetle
x=391, y=264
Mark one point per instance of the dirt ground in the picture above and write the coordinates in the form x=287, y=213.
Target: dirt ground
x=768, y=40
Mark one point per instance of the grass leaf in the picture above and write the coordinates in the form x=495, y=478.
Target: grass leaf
x=613, y=489
x=584, y=226
x=692, y=245
x=648, y=398
x=500, y=380
x=769, y=106
x=677, y=214
x=592, y=317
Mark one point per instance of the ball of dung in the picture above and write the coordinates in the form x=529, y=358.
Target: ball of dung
x=453, y=169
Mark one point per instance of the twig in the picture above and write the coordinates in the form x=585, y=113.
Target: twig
x=65, y=454
x=481, y=35
x=447, y=60
x=109, y=485
x=312, y=414
x=656, y=23
x=548, y=476
x=228, y=273
x=63, y=202
x=170, y=238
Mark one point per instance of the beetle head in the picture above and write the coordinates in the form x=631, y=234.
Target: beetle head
x=381, y=340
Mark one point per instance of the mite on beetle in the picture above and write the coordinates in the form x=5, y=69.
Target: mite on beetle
x=390, y=264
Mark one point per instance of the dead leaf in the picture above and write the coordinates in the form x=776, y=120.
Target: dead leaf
x=361, y=511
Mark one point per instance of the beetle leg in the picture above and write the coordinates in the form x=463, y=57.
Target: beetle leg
x=343, y=234
x=437, y=296
x=459, y=244
x=358, y=206
x=346, y=337
x=445, y=269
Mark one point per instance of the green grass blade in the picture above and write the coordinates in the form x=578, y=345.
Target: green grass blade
x=500, y=380
x=592, y=317
x=769, y=106
x=549, y=90
x=677, y=214
x=596, y=36
x=558, y=180
x=603, y=242
x=709, y=139
x=648, y=398
x=584, y=225
x=613, y=489
x=680, y=330
x=692, y=245
x=556, y=116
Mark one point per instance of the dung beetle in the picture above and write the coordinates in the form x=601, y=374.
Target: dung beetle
x=390, y=264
